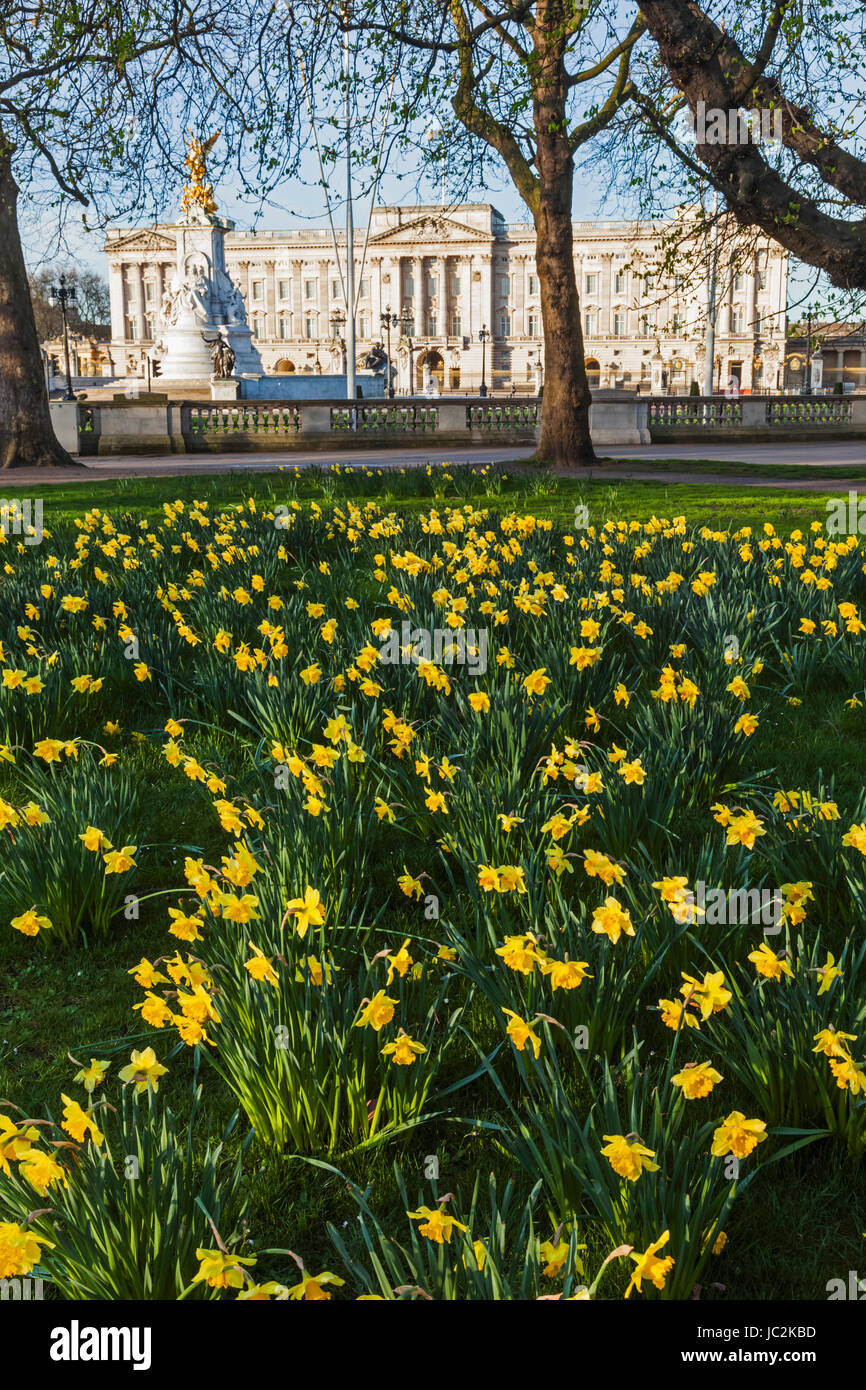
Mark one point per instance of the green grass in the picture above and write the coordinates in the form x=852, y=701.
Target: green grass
x=546, y=494
x=798, y=1225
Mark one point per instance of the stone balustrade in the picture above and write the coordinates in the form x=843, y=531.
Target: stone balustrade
x=156, y=426
x=755, y=417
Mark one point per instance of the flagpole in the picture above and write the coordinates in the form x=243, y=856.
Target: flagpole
x=350, y=225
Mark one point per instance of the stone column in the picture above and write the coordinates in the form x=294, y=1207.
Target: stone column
x=486, y=305
x=248, y=296
x=418, y=296
x=118, y=307
x=391, y=296
x=271, y=299
x=139, y=301
x=376, y=304
x=442, y=296
x=467, y=269
x=605, y=326
x=518, y=325
x=750, y=301
x=323, y=304
x=297, y=301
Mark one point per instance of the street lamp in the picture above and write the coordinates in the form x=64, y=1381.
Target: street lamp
x=66, y=296
x=483, y=335
x=407, y=325
x=389, y=321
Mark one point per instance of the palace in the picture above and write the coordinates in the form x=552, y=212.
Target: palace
x=458, y=270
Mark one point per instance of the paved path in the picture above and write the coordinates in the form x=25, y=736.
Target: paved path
x=838, y=453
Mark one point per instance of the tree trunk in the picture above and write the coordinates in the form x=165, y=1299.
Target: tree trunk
x=26, y=435
x=565, y=438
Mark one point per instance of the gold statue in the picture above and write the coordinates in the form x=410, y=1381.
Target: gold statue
x=197, y=191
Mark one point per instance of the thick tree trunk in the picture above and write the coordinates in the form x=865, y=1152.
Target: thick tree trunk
x=564, y=438
x=27, y=439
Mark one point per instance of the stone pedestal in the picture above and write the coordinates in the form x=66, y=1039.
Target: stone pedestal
x=202, y=304
x=224, y=388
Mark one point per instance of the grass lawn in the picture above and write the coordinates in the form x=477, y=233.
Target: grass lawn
x=190, y=605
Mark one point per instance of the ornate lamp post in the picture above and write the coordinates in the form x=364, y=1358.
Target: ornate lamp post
x=808, y=388
x=389, y=321
x=483, y=335
x=407, y=324
x=67, y=297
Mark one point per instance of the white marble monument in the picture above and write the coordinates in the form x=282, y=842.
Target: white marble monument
x=201, y=304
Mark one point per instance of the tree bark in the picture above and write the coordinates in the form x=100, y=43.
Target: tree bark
x=564, y=438
x=27, y=438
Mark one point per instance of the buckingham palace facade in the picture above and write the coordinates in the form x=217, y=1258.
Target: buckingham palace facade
x=457, y=270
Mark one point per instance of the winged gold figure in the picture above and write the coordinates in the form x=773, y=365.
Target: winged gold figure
x=197, y=192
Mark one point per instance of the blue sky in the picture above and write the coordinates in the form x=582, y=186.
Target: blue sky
x=300, y=203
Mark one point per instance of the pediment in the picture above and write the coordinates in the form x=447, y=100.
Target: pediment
x=430, y=228
x=142, y=239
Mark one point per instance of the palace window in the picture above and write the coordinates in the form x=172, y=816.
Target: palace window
x=619, y=282
x=591, y=283
x=309, y=328
x=737, y=321
x=504, y=325
x=619, y=325
x=739, y=282
x=362, y=326
x=455, y=284
x=284, y=327
x=150, y=291
x=364, y=289
x=309, y=289
x=432, y=285
x=335, y=289
x=589, y=322
x=431, y=325
x=505, y=286
x=283, y=287
x=533, y=326
x=258, y=289
x=455, y=326
x=410, y=287
x=532, y=284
